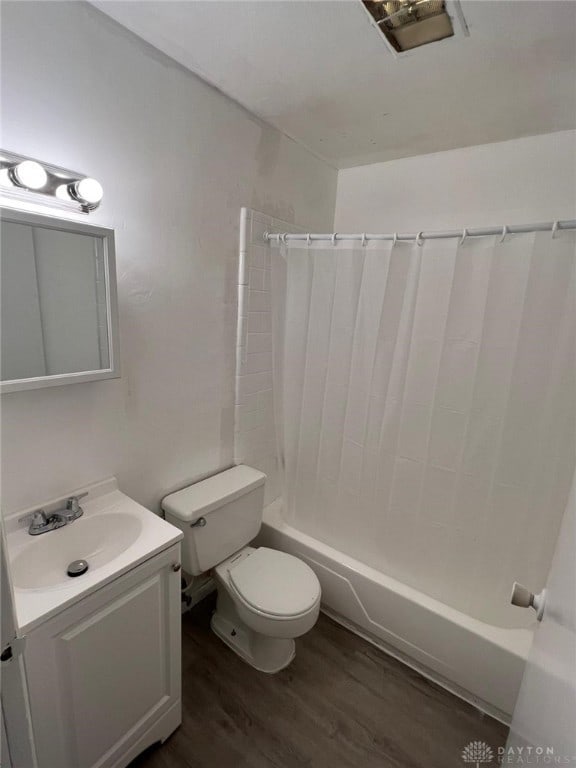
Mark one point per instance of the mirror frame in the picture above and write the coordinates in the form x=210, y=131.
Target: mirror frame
x=107, y=237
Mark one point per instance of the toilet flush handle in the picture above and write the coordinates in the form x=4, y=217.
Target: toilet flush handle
x=200, y=523
x=522, y=597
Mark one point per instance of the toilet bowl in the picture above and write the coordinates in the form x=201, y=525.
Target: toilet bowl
x=266, y=598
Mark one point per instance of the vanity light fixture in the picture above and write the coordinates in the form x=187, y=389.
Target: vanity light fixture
x=29, y=180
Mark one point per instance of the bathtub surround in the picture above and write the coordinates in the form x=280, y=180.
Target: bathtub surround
x=177, y=160
x=255, y=438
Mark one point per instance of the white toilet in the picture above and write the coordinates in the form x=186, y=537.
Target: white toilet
x=266, y=598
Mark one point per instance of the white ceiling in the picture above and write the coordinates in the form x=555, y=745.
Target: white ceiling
x=321, y=73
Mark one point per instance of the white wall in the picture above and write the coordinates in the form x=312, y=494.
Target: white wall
x=512, y=182
x=177, y=161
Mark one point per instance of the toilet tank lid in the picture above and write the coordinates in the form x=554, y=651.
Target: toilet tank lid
x=201, y=498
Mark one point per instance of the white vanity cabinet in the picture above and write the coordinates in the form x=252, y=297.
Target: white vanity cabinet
x=104, y=674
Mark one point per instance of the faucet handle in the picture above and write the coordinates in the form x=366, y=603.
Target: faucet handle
x=36, y=518
x=72, y=503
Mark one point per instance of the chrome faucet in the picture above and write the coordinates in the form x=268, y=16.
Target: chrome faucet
x=41, y=522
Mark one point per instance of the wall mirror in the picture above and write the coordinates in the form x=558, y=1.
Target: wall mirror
x=58, y=310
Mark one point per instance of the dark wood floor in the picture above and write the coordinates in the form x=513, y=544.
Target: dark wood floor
x=340, y=704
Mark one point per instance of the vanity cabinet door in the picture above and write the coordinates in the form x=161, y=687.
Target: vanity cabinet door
x=104, y=675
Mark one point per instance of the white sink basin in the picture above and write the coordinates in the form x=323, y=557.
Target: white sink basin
x=114, y=535
x=97, y=539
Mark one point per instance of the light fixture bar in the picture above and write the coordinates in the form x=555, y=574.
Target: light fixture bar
x=27, y=179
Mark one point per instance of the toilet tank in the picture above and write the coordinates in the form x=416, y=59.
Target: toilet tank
x=218, y=516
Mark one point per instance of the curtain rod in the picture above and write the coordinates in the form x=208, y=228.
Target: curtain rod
x=513, y=229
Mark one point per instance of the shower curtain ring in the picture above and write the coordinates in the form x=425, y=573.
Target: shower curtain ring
x=334, y=238
x=363, y=238
x=464, y=236
x=419, y=241
x=504, y=233
x=554, y=229
x=308, y=240
x=395, y=238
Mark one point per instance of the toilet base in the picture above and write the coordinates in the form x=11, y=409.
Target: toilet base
x=266, y=654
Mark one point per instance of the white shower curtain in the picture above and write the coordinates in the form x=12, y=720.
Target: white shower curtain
x=425, y=407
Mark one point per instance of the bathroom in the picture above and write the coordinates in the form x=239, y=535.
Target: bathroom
x=337, y=317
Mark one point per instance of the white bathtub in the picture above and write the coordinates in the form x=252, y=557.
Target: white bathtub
x=478, y=662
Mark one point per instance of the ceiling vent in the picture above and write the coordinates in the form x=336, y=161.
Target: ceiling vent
x=408, y=24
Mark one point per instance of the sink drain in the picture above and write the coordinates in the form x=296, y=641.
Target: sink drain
x=77, y=568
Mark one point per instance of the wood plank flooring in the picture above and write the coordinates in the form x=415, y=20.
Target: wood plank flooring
x=341, y=704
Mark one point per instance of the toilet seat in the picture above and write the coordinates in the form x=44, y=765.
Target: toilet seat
x=275, y=584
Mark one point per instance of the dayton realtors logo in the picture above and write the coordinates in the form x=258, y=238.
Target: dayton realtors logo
x=477, y=752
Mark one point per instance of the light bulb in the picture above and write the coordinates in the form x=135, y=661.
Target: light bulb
x=88, y=191
x=62, y=192
x=29, y=174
